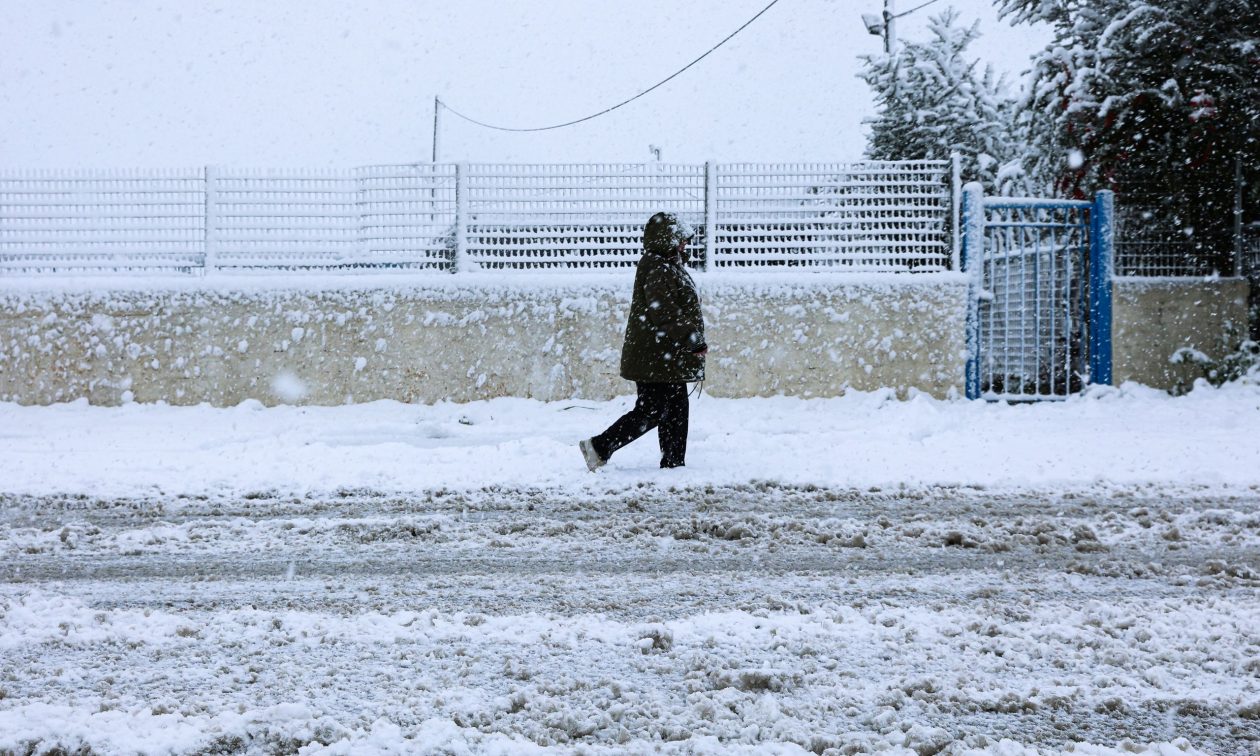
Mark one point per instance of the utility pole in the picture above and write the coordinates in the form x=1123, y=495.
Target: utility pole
x=437, y=125
x=890, y=25
x=437, y=132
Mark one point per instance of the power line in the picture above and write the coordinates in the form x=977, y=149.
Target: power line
x=623, y=102
x=917, y=7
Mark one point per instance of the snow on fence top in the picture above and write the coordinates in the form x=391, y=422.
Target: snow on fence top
x=867, y=216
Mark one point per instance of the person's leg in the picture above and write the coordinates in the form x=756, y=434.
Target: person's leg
x=644, y=417
x=672, y=431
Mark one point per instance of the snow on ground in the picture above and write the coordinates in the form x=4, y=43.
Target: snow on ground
x=1125, y=436
x=390, y=578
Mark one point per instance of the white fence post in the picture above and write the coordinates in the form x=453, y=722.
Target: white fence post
x=710, y=216
x=210, y=260
x=461, y=219
x=955, y=162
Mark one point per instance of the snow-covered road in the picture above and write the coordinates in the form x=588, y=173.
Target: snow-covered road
x=828, y=576
x=699, y=619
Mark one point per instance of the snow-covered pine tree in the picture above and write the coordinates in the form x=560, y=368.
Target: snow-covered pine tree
x=1151, y=98
x=932, y=101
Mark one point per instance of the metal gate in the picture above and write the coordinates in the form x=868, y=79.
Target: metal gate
x=1039, y=320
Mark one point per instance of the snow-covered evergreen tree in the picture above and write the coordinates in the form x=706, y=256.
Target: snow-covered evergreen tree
x=1152, y=98
x=932, y=101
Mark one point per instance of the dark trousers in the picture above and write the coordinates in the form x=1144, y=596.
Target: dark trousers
x=660, y=405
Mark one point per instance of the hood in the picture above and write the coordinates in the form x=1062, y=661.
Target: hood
x=663, y=233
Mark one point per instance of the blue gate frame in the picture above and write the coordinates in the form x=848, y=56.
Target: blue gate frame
x=1039, y=296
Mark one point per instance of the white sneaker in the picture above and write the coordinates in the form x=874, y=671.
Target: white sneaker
x=593, y=462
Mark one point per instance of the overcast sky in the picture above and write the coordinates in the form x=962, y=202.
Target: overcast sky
x=134, y=83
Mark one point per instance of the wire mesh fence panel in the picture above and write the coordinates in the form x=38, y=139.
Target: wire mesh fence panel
x=886, y=216
x=1150, y=244
x=1251, y=252
x=406, y=216
x=873, y=216
x=76, y=222
x=1032, y=309
x=573, y=216
x=374, y=217
x=284, y=219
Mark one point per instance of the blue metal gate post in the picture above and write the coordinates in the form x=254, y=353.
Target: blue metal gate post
x=973, y=268
x=1101, y=267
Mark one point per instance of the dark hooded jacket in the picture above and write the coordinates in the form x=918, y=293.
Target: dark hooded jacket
x=665, y=330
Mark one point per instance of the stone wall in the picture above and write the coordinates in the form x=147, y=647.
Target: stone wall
x=1154, y=317
x=464, y=338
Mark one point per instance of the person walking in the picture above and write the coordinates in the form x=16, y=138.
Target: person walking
x=664, y=347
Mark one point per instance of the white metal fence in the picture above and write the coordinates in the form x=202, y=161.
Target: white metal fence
x=871, y=216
